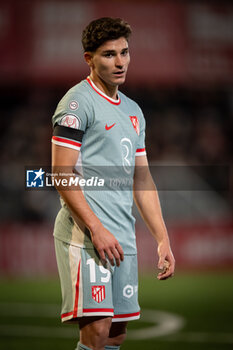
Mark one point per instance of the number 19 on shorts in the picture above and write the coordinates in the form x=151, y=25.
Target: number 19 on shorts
x=98, y=270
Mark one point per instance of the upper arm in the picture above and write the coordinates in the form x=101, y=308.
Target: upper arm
x=141, y=161
x=64, y=160
x=70, y=122
x=143, y=180
x=141, y=172
x=73, y=111
x=64, y=156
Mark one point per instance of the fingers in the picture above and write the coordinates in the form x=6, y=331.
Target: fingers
x=110, y=257
x=120, y=251
x=108, y=247
x=114, y=254
x=161, y=263
x=164, y=275
x=102, y=256
x=167, y=270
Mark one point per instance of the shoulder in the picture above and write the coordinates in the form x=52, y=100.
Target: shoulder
x=79, y=91
x=75, y=107
x=130, y=103
x=133, y=108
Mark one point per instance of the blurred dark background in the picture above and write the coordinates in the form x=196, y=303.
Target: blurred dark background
x=181, y=76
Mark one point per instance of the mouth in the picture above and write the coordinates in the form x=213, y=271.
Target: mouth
x=119, y=73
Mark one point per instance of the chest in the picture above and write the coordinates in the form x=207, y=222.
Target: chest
x=115, y=123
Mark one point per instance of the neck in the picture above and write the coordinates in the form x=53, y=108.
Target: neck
x=109, y=90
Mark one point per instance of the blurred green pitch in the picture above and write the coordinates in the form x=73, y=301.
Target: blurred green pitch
x=29, y=311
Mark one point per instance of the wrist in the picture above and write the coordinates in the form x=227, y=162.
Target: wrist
x=94, y=225
x=163, y=238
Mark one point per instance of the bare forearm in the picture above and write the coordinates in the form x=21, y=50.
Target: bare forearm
x=103, y=240
x=149, y=207
x=75, y=200
x=147, y=200
x=79, y=208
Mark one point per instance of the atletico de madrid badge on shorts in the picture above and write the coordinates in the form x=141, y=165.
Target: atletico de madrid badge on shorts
x=98, y=293
x=135, y=123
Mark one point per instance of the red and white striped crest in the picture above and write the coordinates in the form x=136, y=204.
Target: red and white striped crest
x=135, y=123
x=98, y=293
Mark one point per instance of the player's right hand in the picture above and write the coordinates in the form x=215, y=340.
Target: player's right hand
x=107, y=246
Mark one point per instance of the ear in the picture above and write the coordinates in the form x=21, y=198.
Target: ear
x=88, y=58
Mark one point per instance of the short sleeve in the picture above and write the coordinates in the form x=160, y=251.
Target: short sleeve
x=70, y=120
x=141, y=148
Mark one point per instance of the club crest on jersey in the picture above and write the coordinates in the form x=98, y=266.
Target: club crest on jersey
x=71, y=121
x=135, y=122
x=98, y=293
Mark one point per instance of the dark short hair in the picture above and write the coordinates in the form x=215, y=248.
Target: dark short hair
x=104, y=29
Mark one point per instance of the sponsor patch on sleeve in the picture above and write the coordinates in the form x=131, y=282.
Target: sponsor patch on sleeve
x=71, y=121
x=73, y=105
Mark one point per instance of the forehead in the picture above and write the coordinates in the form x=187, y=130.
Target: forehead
x=113, y=45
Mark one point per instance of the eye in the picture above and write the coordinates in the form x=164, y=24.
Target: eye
x=124, y=53
x=108, y=55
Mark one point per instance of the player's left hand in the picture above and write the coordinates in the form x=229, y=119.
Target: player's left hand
x=166, y=262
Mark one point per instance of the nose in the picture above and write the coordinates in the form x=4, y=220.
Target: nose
x=119, y=61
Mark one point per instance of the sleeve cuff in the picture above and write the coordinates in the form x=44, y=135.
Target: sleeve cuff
x=140, y=152
x=61, y=141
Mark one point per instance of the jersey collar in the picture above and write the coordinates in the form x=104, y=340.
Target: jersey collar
x=101, y=93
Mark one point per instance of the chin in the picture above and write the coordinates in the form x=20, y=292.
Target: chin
x=119, y=81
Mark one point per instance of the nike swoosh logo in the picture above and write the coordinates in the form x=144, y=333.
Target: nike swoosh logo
x=110, y=126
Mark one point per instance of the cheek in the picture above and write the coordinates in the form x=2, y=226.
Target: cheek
x=105, y=71
x=101, y=67
x=128, y=61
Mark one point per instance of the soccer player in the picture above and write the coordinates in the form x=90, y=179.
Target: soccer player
x=96, y=125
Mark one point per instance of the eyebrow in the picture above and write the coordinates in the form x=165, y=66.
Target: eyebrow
x=113, y=51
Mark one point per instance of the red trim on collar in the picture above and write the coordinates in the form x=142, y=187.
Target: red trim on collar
x=103, y=95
